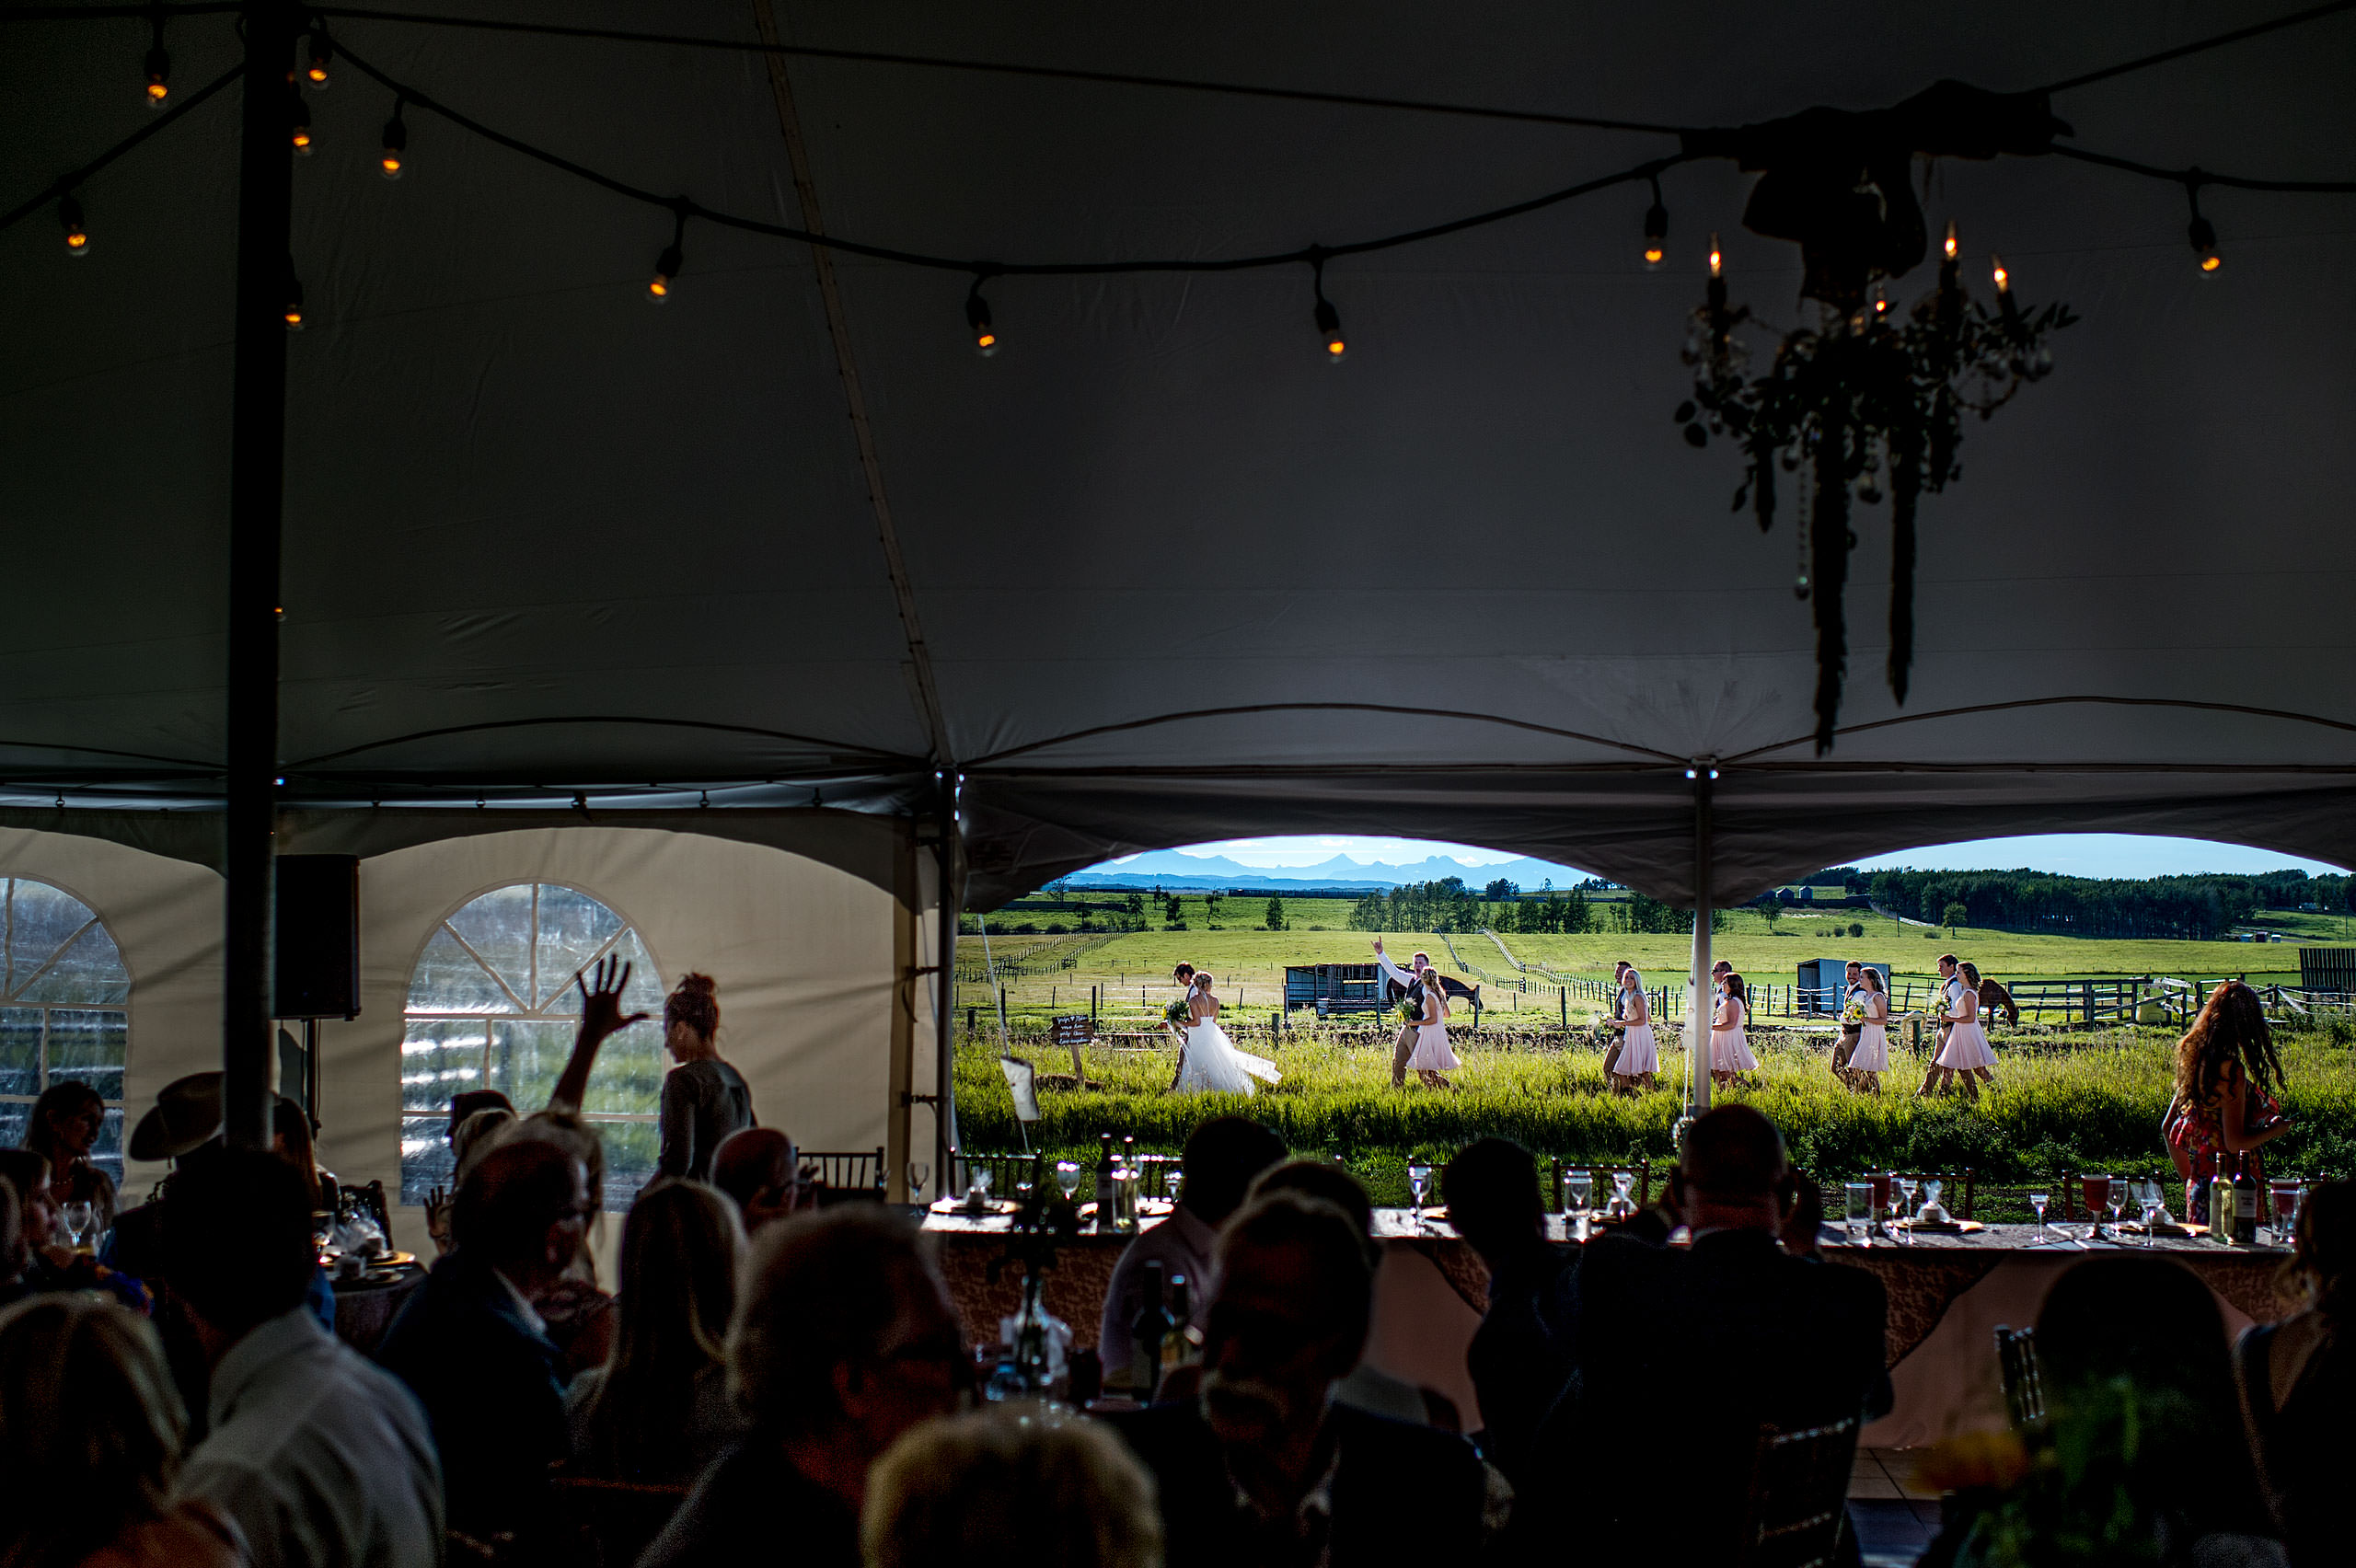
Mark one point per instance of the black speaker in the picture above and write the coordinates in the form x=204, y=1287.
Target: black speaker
x=318, y=973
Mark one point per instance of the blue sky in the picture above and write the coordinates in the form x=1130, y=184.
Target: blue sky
x=2071, y=854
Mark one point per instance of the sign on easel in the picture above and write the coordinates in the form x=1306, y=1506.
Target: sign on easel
x=1071, y=1033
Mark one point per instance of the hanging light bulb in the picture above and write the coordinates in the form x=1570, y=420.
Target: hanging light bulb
x=159, y=70
x=1655, y=228
x=666, y=268
x=299, y=125
x=1329, y=331
x=2003, y=278
x=320, y=53
x=69, y=215
x=1949, y=247
x=977, y=320
x=293, y=311
x=396, y=143
x=2202, y=234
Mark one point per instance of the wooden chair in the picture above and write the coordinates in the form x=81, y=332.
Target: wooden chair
x=1799, y=1505
x=1004, y=1170
x=1161, y=1175
x=1601, y=1177
x=845, y=1174
x=2016, y=1365
x=613, y=1522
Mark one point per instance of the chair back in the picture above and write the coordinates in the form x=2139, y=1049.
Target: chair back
x=2016, y=1365
x=844, y=1174
x=1798, y=1505
x=1161, y=1175
x=1954, y=1189
x=1004, y=1170
x=1600, y=1176
x=611, y=1523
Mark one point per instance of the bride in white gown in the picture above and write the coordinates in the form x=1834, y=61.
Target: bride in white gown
x=1213, y=1065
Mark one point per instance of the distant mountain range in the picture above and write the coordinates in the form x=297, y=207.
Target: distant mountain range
x=1169, y=869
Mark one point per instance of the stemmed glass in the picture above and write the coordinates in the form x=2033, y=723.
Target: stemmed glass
x=78, y=1216
x=2117, y=1203
x=1582, y=1210
x=1068, y=1178
x=2149, y=1194
x=2038, y=1202
x=1419, y=1182
x=1861, y=1212
x=1901, y=1207
x=1621, y=1203
x=2097, y=1199
x=920, y=1172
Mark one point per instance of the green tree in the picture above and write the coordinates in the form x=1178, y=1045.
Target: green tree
x=1771, y=912
x=1501, y=889
x=1953, y=914
x=1136, y=904
x=1276, y=913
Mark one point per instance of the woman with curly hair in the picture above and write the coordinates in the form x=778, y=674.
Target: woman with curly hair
x=64, y=1124
x=2227, y=1078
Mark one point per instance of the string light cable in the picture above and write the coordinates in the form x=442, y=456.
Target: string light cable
x=64, y=184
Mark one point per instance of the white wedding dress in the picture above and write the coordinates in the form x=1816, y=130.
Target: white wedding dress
x=1214, y=1065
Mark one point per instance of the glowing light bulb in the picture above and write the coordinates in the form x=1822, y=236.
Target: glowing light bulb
x=2204, y=245
x=977, y=321
x=292, y=312
x=299, y=128
x=316, y=72
x=1950, y=241
x=1717, y=259
x=395, y=144
x=69, y=215
x=666, y=268
x=159, y=75
x=1655, y=231
x=1329, y=331
x=2003, y=279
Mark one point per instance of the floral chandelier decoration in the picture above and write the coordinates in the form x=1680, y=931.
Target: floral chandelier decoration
x=1868, y=404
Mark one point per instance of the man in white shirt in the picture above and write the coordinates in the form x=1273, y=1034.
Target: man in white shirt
x=1222, y=1157
x=1852, y=986
x=1414, y=977
x=323, y=1460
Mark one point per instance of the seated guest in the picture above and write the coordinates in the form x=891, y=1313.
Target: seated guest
x=1010, y=1483
x=15, y=1258
x=469, y=1103
x=50, y=1263
x=90, y=1434
x=2142, y=1448
x=469, y=1344
x=63, y=1124
x=844, y=1339
x=1521, y=1355
x=471, y=1138
x=2298, y=1380
x=1692, y=1351
x=1367, y=1388
x=760, y=1169
x=1265, y=1467
x=322, y=1461
x=658, y=1411
x=577, y=1316
x=1221, y=1157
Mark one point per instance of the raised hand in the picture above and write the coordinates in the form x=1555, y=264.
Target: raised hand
x=601, y=1005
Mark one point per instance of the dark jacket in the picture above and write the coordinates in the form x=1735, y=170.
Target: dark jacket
x=1684, y=1355
x=1521, y=1357
x=493, y=1391
x=1401, y=1493
x=744, y=1506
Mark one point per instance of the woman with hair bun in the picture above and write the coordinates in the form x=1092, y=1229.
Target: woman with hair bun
x=704, y=1099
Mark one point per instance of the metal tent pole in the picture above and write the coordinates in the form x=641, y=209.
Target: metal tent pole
x=256, y=493
x=1697, y=1029
x=953, y=899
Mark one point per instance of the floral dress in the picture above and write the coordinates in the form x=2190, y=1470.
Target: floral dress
x=2200, y=1132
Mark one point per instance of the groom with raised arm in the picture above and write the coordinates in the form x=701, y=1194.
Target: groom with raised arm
x=1405, y=1047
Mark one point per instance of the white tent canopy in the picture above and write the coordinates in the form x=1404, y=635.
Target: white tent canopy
x=1170, y=576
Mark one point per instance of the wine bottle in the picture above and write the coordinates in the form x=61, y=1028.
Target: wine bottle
x=2218, y=1190
x=2245, y=1202
x=1149, y=1331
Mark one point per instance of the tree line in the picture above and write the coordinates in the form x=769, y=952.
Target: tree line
x=1448, y=905
x=2192, y=907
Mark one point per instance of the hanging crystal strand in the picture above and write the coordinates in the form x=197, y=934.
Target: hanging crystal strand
x=1803, y=521
x=1829, y=523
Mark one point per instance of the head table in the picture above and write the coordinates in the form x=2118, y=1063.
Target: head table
x=1946, y=1294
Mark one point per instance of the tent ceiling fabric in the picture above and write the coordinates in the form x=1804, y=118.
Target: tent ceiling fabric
x=541, y=537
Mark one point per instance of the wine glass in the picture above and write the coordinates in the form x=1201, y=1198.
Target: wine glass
x=2286, y=1211
x=1068, y=1178
x=2150, y=1197
x=2116, y=1203
x=1622, y=1182
x=1901, y=1206
x=1861, y=1212
x=1419, y=1181
x=1582, y=1186
x=2097, y=1190
x=2038, y=1202
x=920, y=1172
x=78, y=1216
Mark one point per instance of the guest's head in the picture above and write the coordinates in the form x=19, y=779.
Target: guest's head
x=1222, y=1157
x=14, y=1258
x=2324, y=1262
x=1296, y=1296
x=681, y=1246
x=691, y=1018
x=478, y=1135
x=1736, y=990
x=1721, y=969
x=1627, y=974
x=1418, y=963
x=237, y=1243
x=1872, y=979
x=465, y=1105
x=2231, y=1030
x=1620, y=969
x=290, y=1139
x=757, y=1168
x=1492, y=1191
x=576, y=1137
x=1733, y=1174
x=523, y=1210
x=29, y=1173
x=1183, y=972
x=65, y=1122
x=90, y=1428
x=1971, y=973
x=1011, y=1485
x=1330, y=1183
x=844, y=1332
x=1854, y=970
x=1946, y=963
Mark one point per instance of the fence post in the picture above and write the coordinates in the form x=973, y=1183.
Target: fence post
x=2087, y=991
x=1562, y=996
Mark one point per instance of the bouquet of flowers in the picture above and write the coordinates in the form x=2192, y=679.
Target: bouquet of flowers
x=1853, y=1015
x=1179, y=1012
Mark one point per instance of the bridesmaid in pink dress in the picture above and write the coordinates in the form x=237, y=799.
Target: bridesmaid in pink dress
x=1431, y=1057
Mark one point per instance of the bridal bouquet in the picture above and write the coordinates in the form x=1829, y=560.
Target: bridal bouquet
x=1854, y=1014
x=1178, y=1012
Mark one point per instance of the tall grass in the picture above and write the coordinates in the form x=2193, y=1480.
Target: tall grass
x=2078, y=1102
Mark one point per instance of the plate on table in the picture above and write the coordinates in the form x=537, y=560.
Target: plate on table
x=2136, y=1228
x=995, y=1207
x=1148, y=1208
x=1943, y=1227
x=394, y=1260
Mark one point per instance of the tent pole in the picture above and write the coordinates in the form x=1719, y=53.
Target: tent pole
x=257, y=489
x=1697, y=1029
x=945, y=1083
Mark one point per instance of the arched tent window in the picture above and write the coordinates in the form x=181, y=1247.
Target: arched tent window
x=63, y=1009
x=493, y=1004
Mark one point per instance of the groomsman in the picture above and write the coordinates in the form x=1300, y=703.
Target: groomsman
x=1851, y=990
x=1950, y=996
x=1405, y=1047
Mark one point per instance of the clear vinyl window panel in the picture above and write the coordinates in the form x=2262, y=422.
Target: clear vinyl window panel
x=493, y=1004
x=64, y=1009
